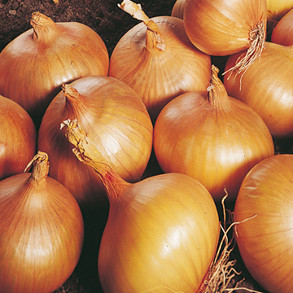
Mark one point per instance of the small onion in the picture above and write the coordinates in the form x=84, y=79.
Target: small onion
x=157, y=60
x=35, y=64
x=226, y=27
x=119, y=124
x=41, y=231
x=283, y=32
x=162, y=232
x=266, y=87
x=212, y=137
x=264, y=211
x=178, y=9
x=17, y=138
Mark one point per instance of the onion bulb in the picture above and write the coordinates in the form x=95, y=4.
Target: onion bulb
x=35, y=64
x=41, y=231
x=119, y=124
x=226, y=27
x=17, y=138
x=157, y=60
x=264, y=210
x=266, y=87
x=283, y=32
x=212, y=137
x=162, y=232
x=178, y=9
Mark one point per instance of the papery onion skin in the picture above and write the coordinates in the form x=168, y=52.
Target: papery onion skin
x=221, y=27
x=215, y=144
x=160, y=75
x=178, y=9
x=265, y=232
x=114, y=117
x=17, y=138
x=35, y=64
x=267, y=87
x=283, y=31
x=41, y=234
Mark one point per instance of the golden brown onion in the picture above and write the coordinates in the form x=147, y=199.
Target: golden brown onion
x=212, y=137
x=157, y=60
x=41, y=231
x=35, y=64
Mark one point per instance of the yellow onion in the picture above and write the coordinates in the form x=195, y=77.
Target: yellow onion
x=212, y=137
x=157, y=60
x=41, y=231
x=266, y=87
x=178, y=9
x=118, y=122
x=35, y=64
x=17, y=138
x=264, y=210
x=226, y=27
x=283, y=32
x=276, y=9
x=162, y=232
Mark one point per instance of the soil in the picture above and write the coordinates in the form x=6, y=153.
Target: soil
x=110, y=22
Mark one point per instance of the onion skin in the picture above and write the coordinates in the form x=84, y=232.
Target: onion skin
x=41, y=232
x=215, y=140
x=17, y=138
x=265, y=233
x=35, y=64
x=283, y=32
x=220, y=27
x=178, y=9
x=165, y=223
x=266, y=87
x=159, y=75
x=119, y=124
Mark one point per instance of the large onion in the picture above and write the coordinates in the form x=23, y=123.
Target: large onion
x=17, y=138
x=162, y=232
x=35, y=64
x=118, y=122
x=266, y=87
x=226, y=27
x=212, y=137
x=157, y=60
x=264, y=208
x=41, y=231
x=283, y=32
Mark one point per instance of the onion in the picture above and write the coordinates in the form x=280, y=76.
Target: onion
x=157, y=60
x=178, y=9
x=226, y=27
x=212, y=137
x=17, y=138
x=118, y=122
x=276, y=10
x=264, y=208
x=283, y=32
x=35, y=64
x=41, y=230
x=162, y=232
x=266, y=87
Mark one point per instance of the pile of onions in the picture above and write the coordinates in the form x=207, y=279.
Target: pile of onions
x=35, y=64
x=157, y=59
x=212, y=137
x=17, y=138
x=264, y=208
x=41, y=231
x=266, y=87
x=118, y=123
x=276, y=10
x=178, y=9
x=226, y=27
x=283, y=32
x=162, y=232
